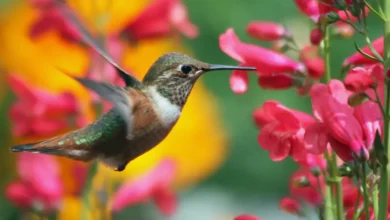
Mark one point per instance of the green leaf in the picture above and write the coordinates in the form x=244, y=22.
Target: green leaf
x=380, y=150
x=365, y=54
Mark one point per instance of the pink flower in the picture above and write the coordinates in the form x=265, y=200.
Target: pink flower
x=154, y=185
x=316, y=36
x=304, y=185
x=159, y=19
x=40, y=182
x=266, y=61
x=290, y=205
x=239, y=81
x=279, y=81
x=50, y=18
x=336, y=119
x=358, y=59
x=267, y=31
x=309, y=8
x=282, y=130
x=247, y=217
x=19, y=194
x=358, y=80
x=314, y=63
x=46, y=113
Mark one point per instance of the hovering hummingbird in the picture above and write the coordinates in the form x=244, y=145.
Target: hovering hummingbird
x=144, y=111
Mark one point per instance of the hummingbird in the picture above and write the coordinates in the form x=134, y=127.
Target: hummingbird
x=143, y=114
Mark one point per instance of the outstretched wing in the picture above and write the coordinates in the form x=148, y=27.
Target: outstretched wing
x=116, y=95
x=70, y=15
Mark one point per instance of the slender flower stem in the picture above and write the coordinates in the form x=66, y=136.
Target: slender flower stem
x=384, y=181
x=328, y=203
x=375, y=200
x=365, y=191
x=332, y=161
x=87, y=188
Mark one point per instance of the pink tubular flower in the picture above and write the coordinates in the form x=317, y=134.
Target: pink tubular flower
x=358, y=79
x=40, y=183
x=247, y=217
x=159, y=19
x=46, y=111
x=154, y=185
x=304, y=185
x=358, y=59
x=314, y=63
x=277, y=81
x=267, y=31
x=50, y=18
x=266, y=61
x=290, y=205
x=369, y=114
x=309, y=8
x=337, y=120
x=282, y=130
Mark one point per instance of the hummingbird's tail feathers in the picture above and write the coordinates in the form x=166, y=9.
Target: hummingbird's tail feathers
x=63, y=145
x=23, y=147
x=87, y=37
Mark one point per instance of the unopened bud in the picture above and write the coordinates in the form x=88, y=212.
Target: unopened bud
x=357, y=99
x=301, y=182
x=291, y=206
x=316, y=36
x=316, y=171
x=355, y=10
x=345, y=170
x=340, y=4
x=332, y=17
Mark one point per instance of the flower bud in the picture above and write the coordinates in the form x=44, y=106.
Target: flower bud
x=358, y=80
x=290, y=205
x=301, y=182
x=340, y=4
x=357, y=99
x=316, y=36
x=316, y=171
x=267, y=31
x=343, y=30
x=332, y=17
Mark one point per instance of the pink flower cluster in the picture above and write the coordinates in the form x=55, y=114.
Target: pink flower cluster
x=346, y=114
x=38, y=113
x=38, y=188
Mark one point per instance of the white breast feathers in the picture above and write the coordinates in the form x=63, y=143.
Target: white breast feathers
x=167, y=112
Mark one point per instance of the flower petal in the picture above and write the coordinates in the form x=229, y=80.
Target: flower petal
x=239, y=81
x=316, y=138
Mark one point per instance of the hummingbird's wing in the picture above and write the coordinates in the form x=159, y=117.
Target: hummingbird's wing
x=70, y=15
x=116, y=95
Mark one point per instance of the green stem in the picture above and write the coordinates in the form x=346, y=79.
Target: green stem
x=332, y=161
x=328, y=203
x=384, y=181
x=375, y=201
x=328, y=76
x=87, y=188
x=365, y=192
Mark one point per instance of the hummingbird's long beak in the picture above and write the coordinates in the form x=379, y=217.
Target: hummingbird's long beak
x=226, y=67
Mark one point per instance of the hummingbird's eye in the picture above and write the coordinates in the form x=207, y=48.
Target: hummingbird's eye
x=185, y=69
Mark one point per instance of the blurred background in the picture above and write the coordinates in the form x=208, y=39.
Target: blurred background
x=222, y=170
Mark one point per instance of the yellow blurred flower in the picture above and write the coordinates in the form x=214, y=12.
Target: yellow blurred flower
x=197, y=142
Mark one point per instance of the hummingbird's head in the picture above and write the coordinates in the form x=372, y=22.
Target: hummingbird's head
x=177, y=68
x=174, y=75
